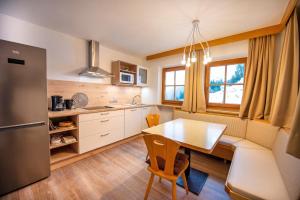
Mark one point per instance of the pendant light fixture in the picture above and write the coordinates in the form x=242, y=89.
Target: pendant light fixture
x=189, y=52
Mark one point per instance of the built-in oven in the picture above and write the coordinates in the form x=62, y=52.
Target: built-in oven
x=126, y=78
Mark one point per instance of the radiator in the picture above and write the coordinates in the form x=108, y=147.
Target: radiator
x=235, y=126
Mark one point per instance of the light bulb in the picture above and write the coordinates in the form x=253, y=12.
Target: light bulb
x=194, y=59
x=208, y=58
x=183, y=61
x=188, y=60
x=188, y=64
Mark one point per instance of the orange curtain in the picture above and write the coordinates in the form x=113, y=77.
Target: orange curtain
x=194, y=96
x=259, y=78
x=287, y=77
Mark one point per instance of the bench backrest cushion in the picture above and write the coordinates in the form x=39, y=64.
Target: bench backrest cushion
x=288, y=165
x=261, y=133
x=235, y=126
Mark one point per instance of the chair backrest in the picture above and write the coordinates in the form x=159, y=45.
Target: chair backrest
x=160, y=147
x=152, y=120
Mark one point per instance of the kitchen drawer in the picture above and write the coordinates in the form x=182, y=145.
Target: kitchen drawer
x=112, y=136
x=89, y=143
x=112, y=133
x=100, y=115
x=88, y=128
x=111, y=123
x=111, y=113
x=89, y=117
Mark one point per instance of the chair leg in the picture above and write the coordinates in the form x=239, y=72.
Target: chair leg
x=185, y=183
x=174, y=190
x=159, y=179
x=149, y=186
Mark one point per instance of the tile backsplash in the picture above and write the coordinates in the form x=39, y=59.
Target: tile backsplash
x=98, y=94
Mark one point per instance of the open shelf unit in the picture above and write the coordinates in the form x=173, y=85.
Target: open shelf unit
x=61, y=145
x=121, y=66
x=62, y=129
x=63, y=151
x=61, y=154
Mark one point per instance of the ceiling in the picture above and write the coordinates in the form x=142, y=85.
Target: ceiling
x=144, y=27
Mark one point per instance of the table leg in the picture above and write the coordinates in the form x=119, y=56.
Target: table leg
x=195, y=178
x=187, y=171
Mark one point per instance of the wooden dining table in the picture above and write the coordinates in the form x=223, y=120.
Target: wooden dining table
x=193, y=135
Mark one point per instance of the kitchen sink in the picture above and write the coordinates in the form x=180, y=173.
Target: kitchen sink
x=97, y=107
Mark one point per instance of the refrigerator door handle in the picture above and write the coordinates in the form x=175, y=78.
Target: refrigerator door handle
x=23, y=125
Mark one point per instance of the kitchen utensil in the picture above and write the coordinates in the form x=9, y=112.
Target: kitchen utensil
x=65, y=124
x=69, y=104
x=80, y=100
x=57, y=103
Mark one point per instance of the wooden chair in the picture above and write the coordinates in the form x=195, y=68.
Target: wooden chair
x=165, y=161
x=152, y=120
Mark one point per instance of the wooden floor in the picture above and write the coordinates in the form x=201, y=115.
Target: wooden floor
x=120, y=173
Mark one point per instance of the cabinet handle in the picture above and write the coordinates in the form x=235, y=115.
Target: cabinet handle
x=104, y=113
x=133, y=110
x=105, y=120
x=104, y=134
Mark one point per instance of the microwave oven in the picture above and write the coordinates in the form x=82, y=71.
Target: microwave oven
x=126, y=78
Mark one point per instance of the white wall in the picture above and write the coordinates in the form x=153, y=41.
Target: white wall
x=222, y=52
x=66, y=55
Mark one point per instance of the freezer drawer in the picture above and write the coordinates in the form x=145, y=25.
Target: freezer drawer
x=24, y=155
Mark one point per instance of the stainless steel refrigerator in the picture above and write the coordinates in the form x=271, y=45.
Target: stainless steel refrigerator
x=24, y=139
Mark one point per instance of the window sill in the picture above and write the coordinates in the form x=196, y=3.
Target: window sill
x=169, y=106
x=223, y=111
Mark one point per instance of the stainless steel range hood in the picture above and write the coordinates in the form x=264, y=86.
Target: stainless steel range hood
x=94, y=70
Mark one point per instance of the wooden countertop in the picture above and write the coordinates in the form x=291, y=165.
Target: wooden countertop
x=78, y=111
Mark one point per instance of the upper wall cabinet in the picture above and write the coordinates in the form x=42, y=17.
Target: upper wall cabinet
x=129, y=74
x=124, y=73
x=142, y=76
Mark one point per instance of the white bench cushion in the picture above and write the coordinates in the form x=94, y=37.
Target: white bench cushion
x=255, y=175
x=288, y=165
x=229, y=140
x=249, y=145
x=261, y=133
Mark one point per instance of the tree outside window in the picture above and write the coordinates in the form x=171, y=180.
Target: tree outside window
x=225, y=83
x=173, y=79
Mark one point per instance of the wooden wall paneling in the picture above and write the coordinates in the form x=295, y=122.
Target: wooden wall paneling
x=98, y=94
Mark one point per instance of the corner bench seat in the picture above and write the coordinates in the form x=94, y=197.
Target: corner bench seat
x=254, y=175
x=249, y=145
x=229, y=140
x=260, y=167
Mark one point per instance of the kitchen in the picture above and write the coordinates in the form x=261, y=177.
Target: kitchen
x=83, y=92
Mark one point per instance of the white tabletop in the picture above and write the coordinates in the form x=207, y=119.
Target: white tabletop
x=197, y=135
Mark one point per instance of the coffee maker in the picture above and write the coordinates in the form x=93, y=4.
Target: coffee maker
x=57, y=103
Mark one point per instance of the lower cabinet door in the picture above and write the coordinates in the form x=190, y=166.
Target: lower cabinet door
x=113, y=131
x=89, y=143
x=133, y=121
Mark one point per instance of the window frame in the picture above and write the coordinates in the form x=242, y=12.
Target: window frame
x=207, y=75
x=169, y=69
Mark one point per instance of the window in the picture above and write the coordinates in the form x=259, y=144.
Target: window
x=225, y=82
x=173, y=85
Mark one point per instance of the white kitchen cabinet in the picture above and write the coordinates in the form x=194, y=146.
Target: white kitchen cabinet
x=100, y=129
x=145, y=111
x=133, y=121
x=142, y=76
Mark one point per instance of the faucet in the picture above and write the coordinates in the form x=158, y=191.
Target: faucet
x=134, y=102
